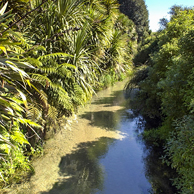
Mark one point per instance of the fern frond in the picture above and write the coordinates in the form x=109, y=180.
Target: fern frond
x=19, y=137
x=34, y=62
x=42, y=79
x=54, y=56
x=29, y=122
x=67, y=65
x=62, y=96
x=64, y=72
x=17, y=36
x=79, y=96
x=48, y=70
x=43, y=97
x=34, y=113
x=52, y=113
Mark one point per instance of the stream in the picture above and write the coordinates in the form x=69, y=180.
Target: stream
x=99, y=152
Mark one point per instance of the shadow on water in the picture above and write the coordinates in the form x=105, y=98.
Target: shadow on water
x=112, y=100
x=106, y=119
x=102, y=119
x=158, y=173
x=80, y=172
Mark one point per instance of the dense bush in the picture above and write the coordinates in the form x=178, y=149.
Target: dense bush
x=166, y=92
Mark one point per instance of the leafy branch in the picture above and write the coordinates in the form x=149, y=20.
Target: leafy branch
x=24, y=16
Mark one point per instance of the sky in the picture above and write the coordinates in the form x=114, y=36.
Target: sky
x=159, y=9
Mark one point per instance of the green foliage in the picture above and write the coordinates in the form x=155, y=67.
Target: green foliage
x=179, y=153
x=18, y=7
x=166, y=92
x=137, y=11
x=163, y=23
x=146, y=50
x=14, y=81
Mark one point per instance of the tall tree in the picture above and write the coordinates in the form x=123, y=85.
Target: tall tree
x=163, y=23
x=137, y=11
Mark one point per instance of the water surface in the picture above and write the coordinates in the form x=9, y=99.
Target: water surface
x=100, y=152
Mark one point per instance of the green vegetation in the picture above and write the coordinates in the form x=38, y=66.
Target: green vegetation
x=137, y=11
x=164, y=77
x=53, y=55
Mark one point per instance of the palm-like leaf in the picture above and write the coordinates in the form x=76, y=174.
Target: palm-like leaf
x=70, y=12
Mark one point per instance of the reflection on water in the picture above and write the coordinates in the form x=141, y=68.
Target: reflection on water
x=159, y=174
x=106, y=166
x=114, y=99
x=80, y=172
x=103, y=119
x=93, y=158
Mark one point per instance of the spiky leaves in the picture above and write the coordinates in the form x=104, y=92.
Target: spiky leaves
x=14, y=84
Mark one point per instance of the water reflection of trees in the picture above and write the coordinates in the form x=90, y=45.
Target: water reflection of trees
x=80, y=172
x=103, y=119
x=107, y=119
x=116, y=98
x=159, y=174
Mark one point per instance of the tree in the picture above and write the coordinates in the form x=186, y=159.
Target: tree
x=163, y=23
x=166, y=91
x=137, y=11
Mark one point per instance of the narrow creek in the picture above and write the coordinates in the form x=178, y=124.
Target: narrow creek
x=99, y=153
